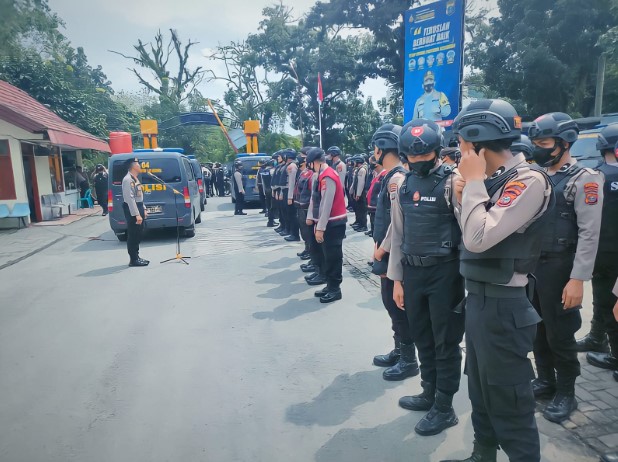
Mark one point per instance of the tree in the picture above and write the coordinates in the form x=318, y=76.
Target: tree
x=544, y=53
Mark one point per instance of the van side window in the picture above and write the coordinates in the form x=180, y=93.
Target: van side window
x=189, y=169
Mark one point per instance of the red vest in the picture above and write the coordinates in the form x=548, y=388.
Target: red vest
x=376, y=180
x=338, y=211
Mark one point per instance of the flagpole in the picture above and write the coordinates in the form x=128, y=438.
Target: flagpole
x=320, y=121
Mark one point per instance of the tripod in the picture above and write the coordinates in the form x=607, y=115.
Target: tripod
x=179, y=256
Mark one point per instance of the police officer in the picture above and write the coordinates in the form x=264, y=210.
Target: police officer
x=302, y=197
x=606, y=263
x=450, y=156
x=359, y=192
x=596, y=339
x=259, y=185
x=272, y=209
x=424, y=239
x=278, y=181
x=288, y=195
x=239, y=188
x=349, y=177
x=525, y=146
x=134, y=213
x=334, y=154
x=568, y=251
x=432, y=104
x=373, y=192
x=500, y=213
x=401, y=361
x=328, y=215
x=265, y=177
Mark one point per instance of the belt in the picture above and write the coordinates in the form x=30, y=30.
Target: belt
x=493, y=290
x=414, y=260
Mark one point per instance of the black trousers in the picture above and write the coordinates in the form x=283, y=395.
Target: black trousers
x=221, y=188
x=102, y=198
x=430, y=295
x=399, y=319
x=305, y=231
x=603, y=300
x=360, y=210
x=500, y=330
x=240, y=202
x=272, y=209
x=282, y=212
x=292, y=214
x=332, y=251
x=315, y=250
x=555, y=347
x=262, y=198
x=134, y=231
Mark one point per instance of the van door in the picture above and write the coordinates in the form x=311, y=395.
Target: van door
x=194, y=191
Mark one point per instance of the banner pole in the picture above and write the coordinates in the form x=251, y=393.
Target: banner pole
x=320, y=122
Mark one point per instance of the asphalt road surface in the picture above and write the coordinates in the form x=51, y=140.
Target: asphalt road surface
x=228, y=359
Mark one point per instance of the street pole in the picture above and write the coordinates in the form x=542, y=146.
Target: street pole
x=300, y=102
x=598, y=98
x=320, y=122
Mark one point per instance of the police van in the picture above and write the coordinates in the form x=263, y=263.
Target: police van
x=170, y=191
x=249, y=175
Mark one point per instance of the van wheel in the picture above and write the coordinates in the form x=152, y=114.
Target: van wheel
x=122, y=237
x=190, y=232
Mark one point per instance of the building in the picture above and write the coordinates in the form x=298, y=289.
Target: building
x=39, y=154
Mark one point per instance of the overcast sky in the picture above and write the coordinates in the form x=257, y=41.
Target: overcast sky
x=118, y=24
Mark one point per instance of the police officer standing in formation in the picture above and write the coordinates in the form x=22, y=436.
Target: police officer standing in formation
x=373, y=192
x=606, y=264
x=327, y=214
x=134, y=212
x=302, y=197
x=424, y=239
x=272, y=209
x=265, y=179
x=279, y=179
x=288, y=196
x=523, y=145
x=333, y=154
x=239, y=188
x=501, y=205
x=568, y=251
x=359, y=193
x=259, y=185
x=401, y=361
x=450, y=156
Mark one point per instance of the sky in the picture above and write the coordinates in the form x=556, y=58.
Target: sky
x=117, y=25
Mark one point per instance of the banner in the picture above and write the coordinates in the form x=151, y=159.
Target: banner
x=434, y=61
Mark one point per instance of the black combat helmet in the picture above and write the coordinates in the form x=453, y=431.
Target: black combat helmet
x=554, y=125
x=523, y=145
x=386, y=138
x=334, y=151
x=238, y=164
x=289, y=153
x=419, y=137
x=608, y=137
x=487, y=120
x=316, y=154
x=306, y=149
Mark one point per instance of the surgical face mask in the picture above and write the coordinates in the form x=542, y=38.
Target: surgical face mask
x=428, y=88
x=423, y=167
x=543, y=156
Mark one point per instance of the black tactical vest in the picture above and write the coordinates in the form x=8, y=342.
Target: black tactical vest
x=355, y=180
x=377, y=187
x=430, y=228
x=608, y=239
x=303, y=195
x=283, y=180
x=518, y=253
x=382, y=219
x=561, y=231
x=276, y=181
x=266, y=178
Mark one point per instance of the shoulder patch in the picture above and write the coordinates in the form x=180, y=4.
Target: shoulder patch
x=512, y=191
x=392, y=187
x=591, y=191
x=339, y=168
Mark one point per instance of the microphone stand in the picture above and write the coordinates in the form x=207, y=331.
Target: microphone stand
x=179, y=256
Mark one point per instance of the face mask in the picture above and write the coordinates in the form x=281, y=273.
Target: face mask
x=428, y=88
x=543, y=156
x=329, y=162
x=423, y=167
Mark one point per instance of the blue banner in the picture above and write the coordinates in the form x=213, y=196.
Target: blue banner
x=434, y=61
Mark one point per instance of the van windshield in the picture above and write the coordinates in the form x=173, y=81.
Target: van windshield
x=167, y=170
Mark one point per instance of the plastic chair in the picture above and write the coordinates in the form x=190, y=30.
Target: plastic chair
x=20, y=211
x=4, y=211
x=88, y=198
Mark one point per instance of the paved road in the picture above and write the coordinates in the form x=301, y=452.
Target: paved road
x=228, y=359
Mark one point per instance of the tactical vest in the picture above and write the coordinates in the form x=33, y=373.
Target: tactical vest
x=608, y=239
x=382, y=219
x=374, y=191
x=283, y=180
x=302, y=194
x=338, y=213
x=519, y=252
x=430, y=228
x=235, y=184
x=266, y=179
x=561, y=232
x=355, y=181
x=276, y=180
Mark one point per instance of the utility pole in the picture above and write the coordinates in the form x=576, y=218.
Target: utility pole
x=300, y=102
x=598, y=97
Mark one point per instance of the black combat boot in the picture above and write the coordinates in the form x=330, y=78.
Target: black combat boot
x=602, y=360
x=595, y=340
x=332, y=295
x=480, y=453
x=317, y=281
x=561, y=407
x=407, y=366
x=544, y=386
x=440, y=417
x=420, y=402
x=389, y=359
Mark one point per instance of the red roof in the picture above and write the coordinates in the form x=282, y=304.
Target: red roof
x=19, y=108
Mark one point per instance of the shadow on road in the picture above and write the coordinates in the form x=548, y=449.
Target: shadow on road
x=291, y=309
x=374, y=303
x=282, y=277
x=284, y=262
x=390, y=442
x=104, y=271
x=284, y=291
x=336, y=403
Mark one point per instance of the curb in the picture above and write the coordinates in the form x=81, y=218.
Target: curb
x=35, y=251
